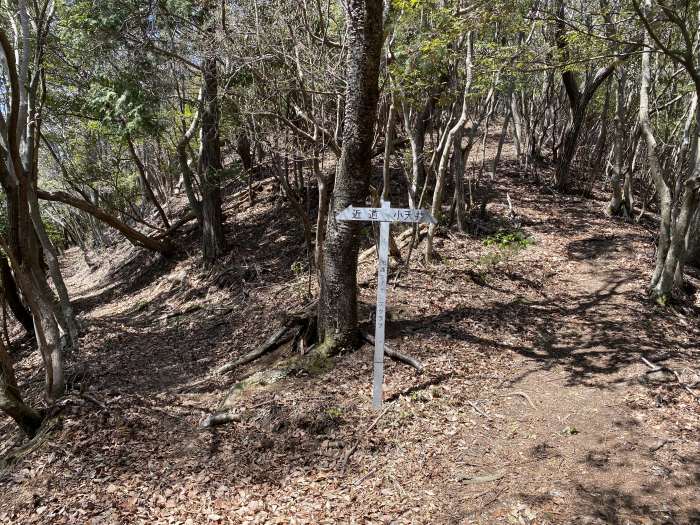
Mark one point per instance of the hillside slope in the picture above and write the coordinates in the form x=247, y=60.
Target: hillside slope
x=534, y=407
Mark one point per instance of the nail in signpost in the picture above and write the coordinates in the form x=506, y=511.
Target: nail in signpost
x=384, y=215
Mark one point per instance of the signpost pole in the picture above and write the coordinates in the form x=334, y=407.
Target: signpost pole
x=384, y=216
x=377, y=390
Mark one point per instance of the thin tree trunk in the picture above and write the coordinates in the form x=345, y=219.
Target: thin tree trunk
x=617, y=204
x=662, y=190
x=675, y=256
x=11, y=293
x=388, y=150
x=416, y=137
x=458, y=177
x=322, y=215
x=11, y=401
x=454, y=131
x=65, y=316
x=145, y=184
x=501, y=140
x=187, y=174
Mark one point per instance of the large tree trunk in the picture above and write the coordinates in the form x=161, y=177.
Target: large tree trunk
x=18, y=166
x=579, y=99
x=24, y=253
x=337, y=319
x=562, y=176
x=213, y=241
x=416, y=126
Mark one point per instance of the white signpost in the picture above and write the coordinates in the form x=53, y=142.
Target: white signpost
x=384, y=215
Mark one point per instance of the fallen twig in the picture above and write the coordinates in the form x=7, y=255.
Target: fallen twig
x=363, y=478
x=94, y=401
x=522, y=394
x=478, y=410
x=474, y=480
x=220, y=418
x=657, y=368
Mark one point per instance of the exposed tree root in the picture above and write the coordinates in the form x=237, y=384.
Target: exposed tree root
x=50, y=422
x=14, y=455
x=316, y=361
x=300, y=329
x=656, y=368
x=523, y=395
x=396, y=355
x=297, y=327
x=276, y=340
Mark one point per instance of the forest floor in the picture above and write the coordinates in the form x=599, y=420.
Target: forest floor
x=534, y=407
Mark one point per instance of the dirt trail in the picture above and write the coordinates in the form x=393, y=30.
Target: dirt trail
x=562, y=324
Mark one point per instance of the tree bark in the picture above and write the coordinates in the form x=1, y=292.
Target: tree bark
x=16, y=171
x=337, y=318
x=457, y=166
x=579, y=99
x=417, y=140
x=454, y=131
x=213, y=241
x=64, y=314
x=11, y=293
x=187, y=174
x=28, y=419
x=618, y=205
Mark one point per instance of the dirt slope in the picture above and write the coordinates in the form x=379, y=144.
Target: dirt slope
x=534, y=406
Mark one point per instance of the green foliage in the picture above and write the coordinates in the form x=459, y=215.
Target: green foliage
x=502, y=247
x=424, y=45
x=298, y=268
x=335, y=413
x=122, y=107
x=504, y=240
x=53, y=230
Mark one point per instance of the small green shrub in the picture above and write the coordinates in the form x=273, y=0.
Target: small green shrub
x=334, y=412
x=297, y=268
x=503, y=240
x=502, y=247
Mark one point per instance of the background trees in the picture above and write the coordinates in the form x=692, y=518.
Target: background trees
x=111, y=109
